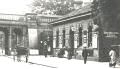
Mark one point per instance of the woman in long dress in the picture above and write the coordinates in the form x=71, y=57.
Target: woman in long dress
x=112, y=55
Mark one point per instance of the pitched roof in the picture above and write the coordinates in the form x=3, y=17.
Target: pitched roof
x=80, y=11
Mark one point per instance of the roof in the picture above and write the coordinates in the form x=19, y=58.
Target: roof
x=30, y=14
x=81, y=11
x=47, y=18
x=49, y=15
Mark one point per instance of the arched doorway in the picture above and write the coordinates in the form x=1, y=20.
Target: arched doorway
x=17, y=36
x=11, y=36
x=2, y=42
x=5, y=37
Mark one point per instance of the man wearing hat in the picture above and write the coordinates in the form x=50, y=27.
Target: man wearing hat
x=85, y=54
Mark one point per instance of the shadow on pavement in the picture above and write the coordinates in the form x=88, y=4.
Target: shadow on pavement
x=34, y=63
x=42, y=65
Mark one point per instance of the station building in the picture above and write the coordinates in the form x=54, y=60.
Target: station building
x=77, y=30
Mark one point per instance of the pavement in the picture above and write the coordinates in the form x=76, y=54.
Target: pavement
x=7, y=63
x=63, y=63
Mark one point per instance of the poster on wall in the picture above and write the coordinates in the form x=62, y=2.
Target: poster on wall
x=75, y=44
x=33, y=38
x=54, y=43
x=94, y=40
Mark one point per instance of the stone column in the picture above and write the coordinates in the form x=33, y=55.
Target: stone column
x=24, y=37
x=67, y=28
x=27, y=38
x=10, y=40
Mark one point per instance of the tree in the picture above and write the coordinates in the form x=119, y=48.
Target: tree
x=106, y=16
x=58, y=7
x=108, y=12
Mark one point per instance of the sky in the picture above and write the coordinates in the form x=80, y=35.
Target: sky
x=15, y=6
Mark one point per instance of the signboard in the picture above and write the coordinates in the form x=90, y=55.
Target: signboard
x=111, y=34
x=34, y=51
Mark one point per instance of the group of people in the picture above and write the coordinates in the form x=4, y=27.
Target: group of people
x=70, y=52
x=66, y=52
x=85, y=53
x=46, y=49
x=20, y=52
x=112, y=55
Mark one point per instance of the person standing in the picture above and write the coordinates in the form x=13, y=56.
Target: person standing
x=27, y=54
x=14, y=54
x=85, y=54
x=45, y=49
x=69, y=53
x=112, y=55
x=18, y=55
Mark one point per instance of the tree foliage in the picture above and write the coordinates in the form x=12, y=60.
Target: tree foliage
x=109, y=12
x=58, y=7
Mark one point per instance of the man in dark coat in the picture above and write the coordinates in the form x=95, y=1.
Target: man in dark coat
x=85, y=54
x=45, y=49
